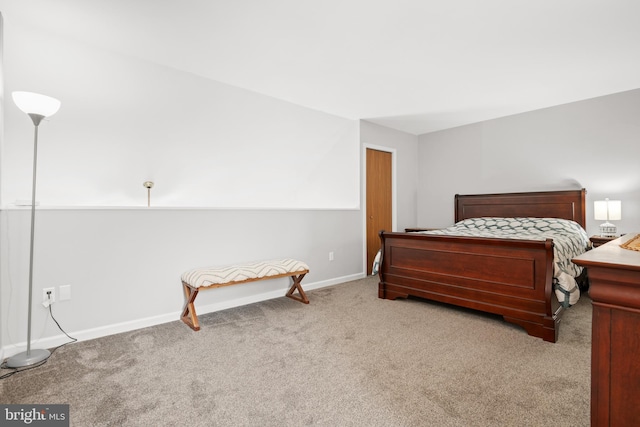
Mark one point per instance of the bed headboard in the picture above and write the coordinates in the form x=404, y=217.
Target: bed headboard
x=550, y=204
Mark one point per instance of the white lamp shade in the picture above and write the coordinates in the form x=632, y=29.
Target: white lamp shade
x=34, y=103
x=608, y=210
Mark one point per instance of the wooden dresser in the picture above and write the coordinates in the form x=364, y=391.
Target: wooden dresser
x=614, y=276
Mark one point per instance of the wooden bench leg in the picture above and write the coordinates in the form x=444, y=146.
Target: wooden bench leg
x=296, y=285
x=189, y=315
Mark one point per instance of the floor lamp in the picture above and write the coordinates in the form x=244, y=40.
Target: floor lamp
x=37, y=107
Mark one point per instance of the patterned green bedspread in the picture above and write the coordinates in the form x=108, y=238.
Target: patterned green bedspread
x=569, y=240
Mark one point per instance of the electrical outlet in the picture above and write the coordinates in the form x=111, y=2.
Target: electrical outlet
x=49, y=298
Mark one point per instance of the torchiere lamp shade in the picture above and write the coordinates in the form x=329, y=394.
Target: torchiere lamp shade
x=34, y=103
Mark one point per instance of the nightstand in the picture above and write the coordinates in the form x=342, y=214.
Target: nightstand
x=599, y=240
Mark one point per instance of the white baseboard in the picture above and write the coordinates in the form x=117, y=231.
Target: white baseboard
x=88, y=334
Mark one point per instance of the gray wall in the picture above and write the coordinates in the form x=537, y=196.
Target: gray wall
x=124, y=265
x=592, y=144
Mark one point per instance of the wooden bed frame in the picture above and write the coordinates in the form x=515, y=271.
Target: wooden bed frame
x=511, y=278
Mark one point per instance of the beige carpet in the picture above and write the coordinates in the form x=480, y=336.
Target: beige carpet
x=346, y=359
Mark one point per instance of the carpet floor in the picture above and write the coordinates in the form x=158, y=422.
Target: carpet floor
x=346, y=359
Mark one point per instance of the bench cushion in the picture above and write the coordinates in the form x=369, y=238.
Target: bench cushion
x=209, y=276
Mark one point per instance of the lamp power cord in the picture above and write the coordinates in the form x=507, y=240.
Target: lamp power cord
x=16, y=370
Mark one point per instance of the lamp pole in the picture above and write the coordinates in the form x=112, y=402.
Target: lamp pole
x=36, y=122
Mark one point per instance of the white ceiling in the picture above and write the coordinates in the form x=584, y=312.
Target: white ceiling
x=412, y=65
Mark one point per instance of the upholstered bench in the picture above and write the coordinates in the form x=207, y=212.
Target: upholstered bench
x=215, y=277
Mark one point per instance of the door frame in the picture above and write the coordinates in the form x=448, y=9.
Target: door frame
x=363, y=202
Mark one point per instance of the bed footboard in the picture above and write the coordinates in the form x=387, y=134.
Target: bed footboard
x=511, y=278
